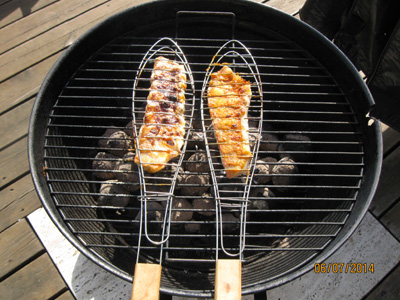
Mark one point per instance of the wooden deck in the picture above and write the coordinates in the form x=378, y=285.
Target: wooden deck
x=33, y=35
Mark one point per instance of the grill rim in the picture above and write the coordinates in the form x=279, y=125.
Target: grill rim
x=92, y=40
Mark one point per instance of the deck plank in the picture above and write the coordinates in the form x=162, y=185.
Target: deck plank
x=389, y=288
x=13, y=162
x=37, y=280
x=18, y=244
x=388, y=190
x=24, y=85
x=43, y=20
x=77, y=270
x=290, y=7
x=56, y=39
x=17, y=201
x=17, y=9
x=66, y=296
x=391, y=220
x=391, y=138
x=18, y=120
x=4, y=1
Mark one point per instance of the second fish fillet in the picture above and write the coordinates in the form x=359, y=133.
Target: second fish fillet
x=229, y=98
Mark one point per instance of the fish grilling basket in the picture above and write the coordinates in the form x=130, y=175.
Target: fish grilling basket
x=316, y=153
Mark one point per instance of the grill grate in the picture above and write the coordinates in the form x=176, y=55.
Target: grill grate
x=306, y=116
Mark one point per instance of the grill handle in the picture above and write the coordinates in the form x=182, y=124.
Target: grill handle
x=191, y=14
x=146, y=282
x=228, y=279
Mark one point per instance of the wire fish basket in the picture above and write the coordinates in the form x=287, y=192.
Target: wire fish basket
x=162, y=112
x=231, y=112
x=162, y=109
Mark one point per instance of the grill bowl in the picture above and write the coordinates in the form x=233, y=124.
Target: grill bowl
x=313, y=77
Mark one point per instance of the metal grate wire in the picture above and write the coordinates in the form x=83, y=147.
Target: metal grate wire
x=300, y=98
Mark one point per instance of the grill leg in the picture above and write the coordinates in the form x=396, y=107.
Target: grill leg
x=260, y=296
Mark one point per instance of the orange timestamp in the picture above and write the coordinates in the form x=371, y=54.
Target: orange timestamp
x=352, y=268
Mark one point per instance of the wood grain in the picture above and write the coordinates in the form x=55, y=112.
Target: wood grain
x=66, y=296
x=391, y=220
x=14, y=162
x=18, y=120
x=43, y=20
x=146, y=282
x=391, y=138
x=56, y=39
x=25, y=84
x=228, y=279
x=388, y=190
x=388, y=289
x=3, y=1
x=290, y=7
x=36, y=281
x=16, y=9
x=17, y=201
x=18, y=244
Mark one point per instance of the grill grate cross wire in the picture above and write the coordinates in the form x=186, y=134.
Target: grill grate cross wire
x=291, y=219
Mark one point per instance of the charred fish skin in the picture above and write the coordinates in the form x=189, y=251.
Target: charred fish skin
x=161, y=136
x=228, y=98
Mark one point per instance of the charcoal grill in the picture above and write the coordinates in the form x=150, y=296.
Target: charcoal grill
x=309, y=89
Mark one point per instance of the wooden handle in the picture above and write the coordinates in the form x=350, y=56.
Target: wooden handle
x=228, y=279
x=146, y=282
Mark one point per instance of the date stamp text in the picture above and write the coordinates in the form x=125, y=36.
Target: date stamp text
x=352, y=268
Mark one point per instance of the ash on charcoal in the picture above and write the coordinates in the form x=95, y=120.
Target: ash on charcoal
x=182, y=210
x=181, y=175
x=196, y=185
x=103, y=165
x=127, y=172
x=205, y=204
x=118, y=143
x=198, y=163
x=196, y=139
x=155, y=216
x=114, y=194
x=259, y=198
x=286, y=167
x=105, y=137
x=261, y=172
x=253, y=135
x=212, y=142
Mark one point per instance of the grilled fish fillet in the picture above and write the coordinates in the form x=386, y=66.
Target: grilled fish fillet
x=161, y=136
x=228, y=101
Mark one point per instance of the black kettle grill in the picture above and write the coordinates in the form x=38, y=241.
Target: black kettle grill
x=315, y=111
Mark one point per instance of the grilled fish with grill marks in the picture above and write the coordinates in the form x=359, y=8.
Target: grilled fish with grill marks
x=161, y=136
x=229, y=97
